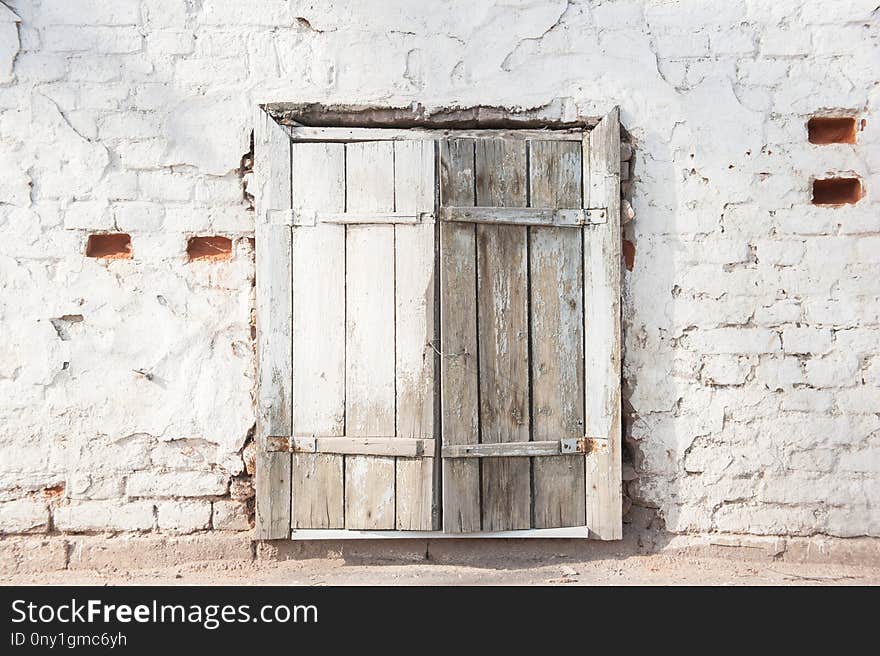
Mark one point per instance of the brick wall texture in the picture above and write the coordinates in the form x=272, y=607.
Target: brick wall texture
x=751, y=315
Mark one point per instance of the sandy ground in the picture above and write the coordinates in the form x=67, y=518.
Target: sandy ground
x=658, y=569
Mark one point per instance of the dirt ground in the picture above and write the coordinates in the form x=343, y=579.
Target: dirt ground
x=657, y=569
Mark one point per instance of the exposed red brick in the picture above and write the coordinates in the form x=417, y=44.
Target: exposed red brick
x=209, y=248
x=54, y=492
x=837, y=191
x=832, y=129
x=114, y=246
x=629, y=254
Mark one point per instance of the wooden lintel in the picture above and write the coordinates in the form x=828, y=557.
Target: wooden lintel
x=302, y=133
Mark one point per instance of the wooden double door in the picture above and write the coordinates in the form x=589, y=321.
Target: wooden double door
x=438, y=332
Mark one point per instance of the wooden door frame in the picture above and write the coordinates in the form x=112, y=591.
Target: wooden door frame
x=602, y=277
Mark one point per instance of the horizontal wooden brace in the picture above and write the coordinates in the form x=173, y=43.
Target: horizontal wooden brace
x=535, y=216
x=303, y=133
x=311, y=218
x=364, y=446
x=514, y=449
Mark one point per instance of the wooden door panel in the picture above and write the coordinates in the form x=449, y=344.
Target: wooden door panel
x=557, y=320
x=363, y=364
x=525, y=284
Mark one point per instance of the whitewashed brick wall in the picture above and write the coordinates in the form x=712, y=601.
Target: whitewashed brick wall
x=752, y=364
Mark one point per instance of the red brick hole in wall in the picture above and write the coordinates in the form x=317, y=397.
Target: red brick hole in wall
x=209, y=248
x=831, y=129
x=115, y=246
x=837, y=191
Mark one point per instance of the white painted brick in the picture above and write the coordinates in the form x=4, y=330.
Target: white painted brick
x=779, y=312
x=230, y=516
x=807, y=400
x=165, y=186
x=785, y=42
x=91, y=12
x=141, y=154
x=139, y=216
x=91, y=68
x=231, y=12
x=130, y=125
x=117, y=185
x=852, y=521
x=806, y=340
x=783, y=253
x=187, y=218
x=669, y=14
x=82, y=485
x=858, y=400
x=718, y=251
x=100, y=96
x=866, y=459
x=857, y=340
x=833, y=371
x=813, y=460
x=764, y=519
x=177, y=484
x=165, y=13
x=209, y=71
x=842, y=39
x=171, y=42
x=735, y=41
x=725, y=370
x=832, y=312
x=88, y=516
x=38, y=67
x=868, y=249
x=734, y=340
x=780, y=373
x=805, y=221
x=105, y=40
x=822, y=12
x=219, y=191
x=183, y=516
x=23, y=516
x=761, y=72
x=88, y=215
x=670, y=46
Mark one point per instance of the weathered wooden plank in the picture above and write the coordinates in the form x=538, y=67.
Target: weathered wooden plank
x=602, y=253
x=414, y=290
x=271, y=166
x=272, y=491
x=317, y=491
x=370, y=387
x=415, y=494
x=527, y=449
x=343, y=134
x=318, y=342
x=375, y=446
x=273, y=329
x=414, y=314
x=458, y=335
x=557, y=320
x=531, y=216
x=502, y=302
